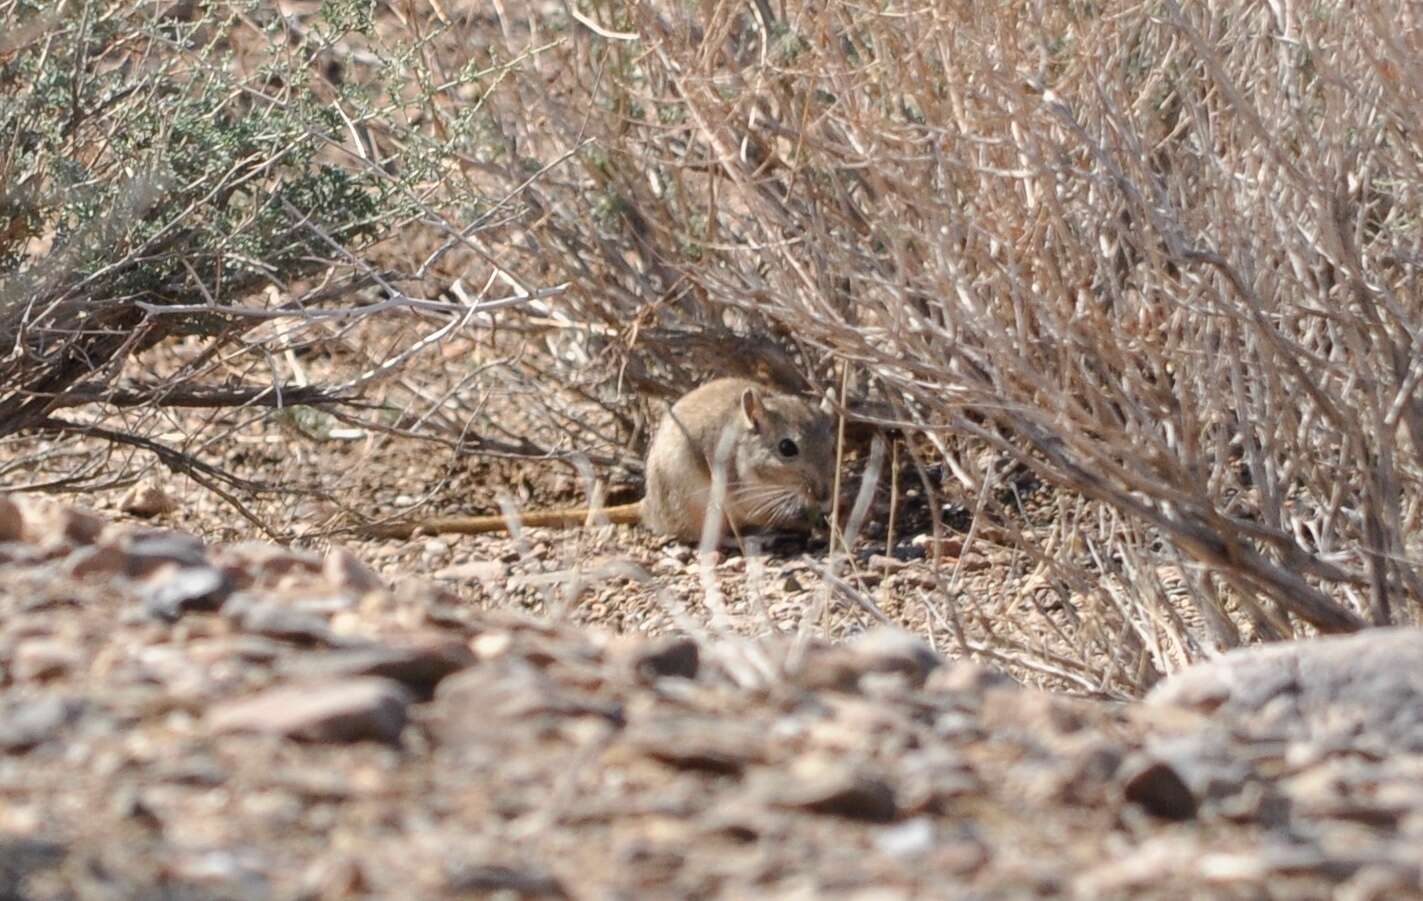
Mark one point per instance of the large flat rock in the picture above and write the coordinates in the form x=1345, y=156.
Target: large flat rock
x=1364, y=689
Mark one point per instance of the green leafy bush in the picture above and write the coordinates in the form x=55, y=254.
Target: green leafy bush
x=150, y=165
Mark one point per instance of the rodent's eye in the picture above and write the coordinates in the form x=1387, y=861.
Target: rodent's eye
x=788, y=448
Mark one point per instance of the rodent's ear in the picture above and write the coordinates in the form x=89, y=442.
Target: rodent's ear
x=753, y=409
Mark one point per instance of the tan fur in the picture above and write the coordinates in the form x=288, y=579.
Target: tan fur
x=735, y=422
x=685, y=450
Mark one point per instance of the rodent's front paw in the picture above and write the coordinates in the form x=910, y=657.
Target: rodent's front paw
x=818, y=521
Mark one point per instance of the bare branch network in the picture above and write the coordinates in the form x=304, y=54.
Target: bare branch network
x=1166, y=256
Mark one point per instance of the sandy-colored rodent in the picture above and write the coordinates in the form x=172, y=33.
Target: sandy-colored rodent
x=777, y=452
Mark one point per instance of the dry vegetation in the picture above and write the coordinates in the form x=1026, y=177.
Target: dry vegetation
x=1166, y=255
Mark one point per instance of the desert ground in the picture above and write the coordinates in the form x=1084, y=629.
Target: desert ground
x=1115, y=308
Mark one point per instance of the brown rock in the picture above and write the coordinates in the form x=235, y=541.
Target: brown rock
x=889, y=650
x=337, y=877
x=510, y=690
x=12, y=520
x=101, y=560
x=828, y=787
x=274, y=619
x=43, y=658
x=186, y=590
x=146, y=500
x=149, y=550
x=479, y=570
x=886, y=564
x=673, y=657
x=650, y=659
x=1159, y=789
x=419, y=664
x=29, y=723
x=50, y=524
x=879, y=652
x=828, y=668
x=264, y=562
x=494, y=879
x=700, y=743
x=345, y=571
x=363, y=709
x=80, y=526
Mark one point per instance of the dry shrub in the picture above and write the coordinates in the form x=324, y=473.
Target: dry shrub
x=1166, y=255
x=216, y=178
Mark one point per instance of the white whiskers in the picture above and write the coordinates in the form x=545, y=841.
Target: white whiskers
x=769, y=505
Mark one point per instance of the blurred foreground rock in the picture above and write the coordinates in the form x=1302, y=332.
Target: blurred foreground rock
x=248, y=721
x=1360, y=692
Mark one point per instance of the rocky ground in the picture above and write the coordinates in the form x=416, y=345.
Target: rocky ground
x=183, y=720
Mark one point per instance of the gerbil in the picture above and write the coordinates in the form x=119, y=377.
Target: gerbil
x=777, y=452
